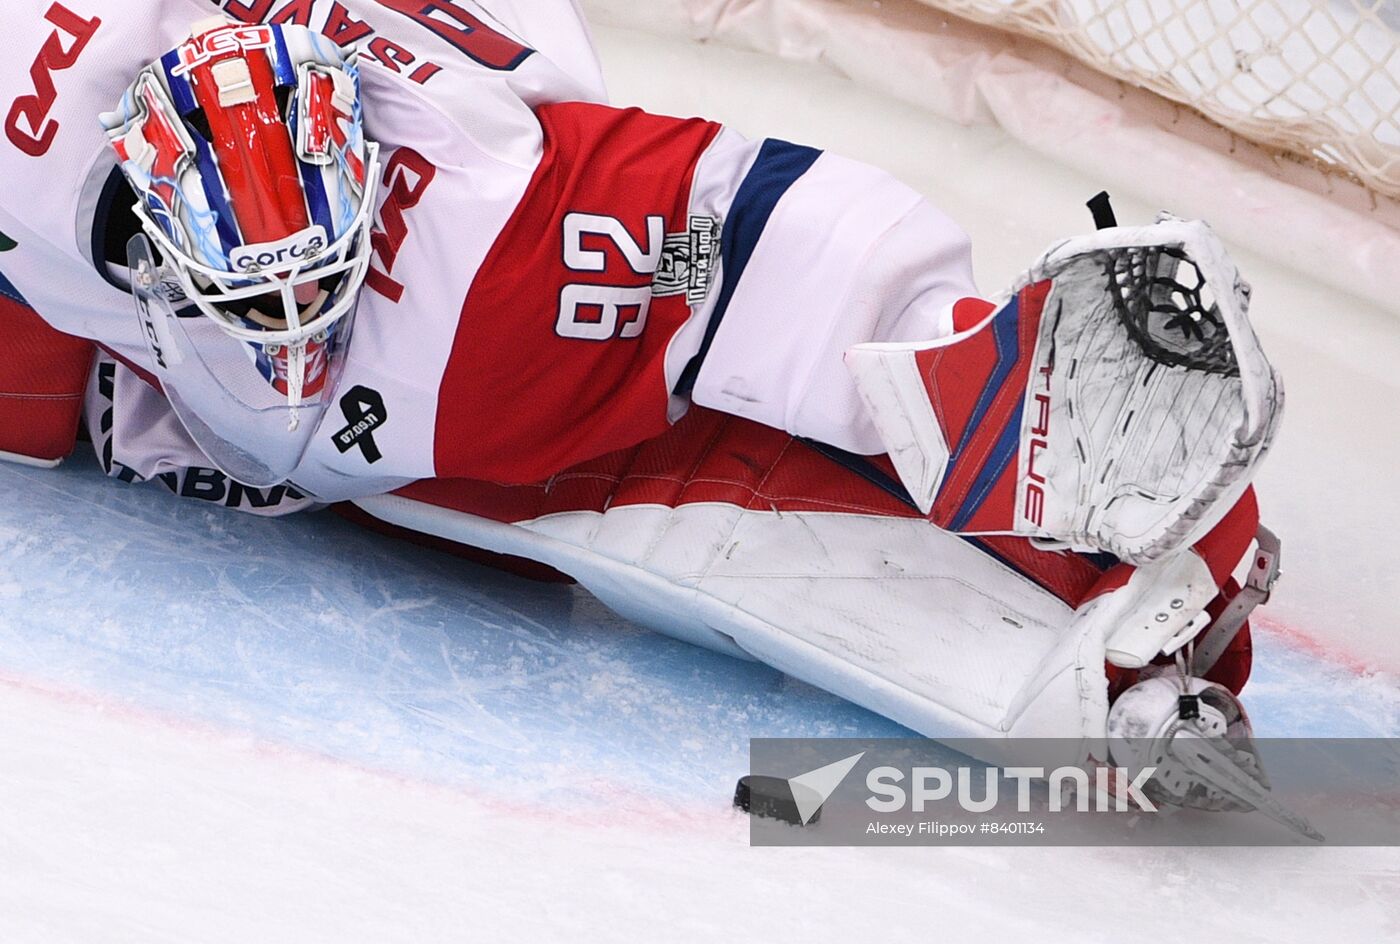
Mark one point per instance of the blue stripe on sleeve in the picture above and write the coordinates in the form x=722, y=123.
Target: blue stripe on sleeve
x=8, y=290
x=778, y=167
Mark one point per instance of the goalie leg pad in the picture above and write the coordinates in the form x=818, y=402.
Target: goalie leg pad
x=43, y=376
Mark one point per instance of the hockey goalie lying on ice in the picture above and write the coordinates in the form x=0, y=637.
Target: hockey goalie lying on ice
x=398, y=256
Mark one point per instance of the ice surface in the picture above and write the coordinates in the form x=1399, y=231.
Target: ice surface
x=311, y=631
x=215, y=727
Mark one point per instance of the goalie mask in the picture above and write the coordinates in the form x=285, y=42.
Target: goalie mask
x=245, y=146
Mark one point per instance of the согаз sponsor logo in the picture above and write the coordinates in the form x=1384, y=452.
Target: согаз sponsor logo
x=284, y=254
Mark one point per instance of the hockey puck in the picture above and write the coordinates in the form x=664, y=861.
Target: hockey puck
x=771, y=798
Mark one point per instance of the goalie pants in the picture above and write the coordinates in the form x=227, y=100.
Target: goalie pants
x=824, y=274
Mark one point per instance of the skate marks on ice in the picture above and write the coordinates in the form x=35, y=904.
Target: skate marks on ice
x=506, y=714
x=310, y=632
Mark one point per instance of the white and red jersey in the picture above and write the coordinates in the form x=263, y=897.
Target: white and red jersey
x=552, y=280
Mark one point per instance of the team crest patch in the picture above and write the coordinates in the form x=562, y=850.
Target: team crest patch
x=688, y=261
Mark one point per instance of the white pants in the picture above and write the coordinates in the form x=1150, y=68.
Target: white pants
x=849, y=255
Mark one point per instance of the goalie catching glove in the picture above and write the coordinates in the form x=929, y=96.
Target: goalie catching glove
x=1119, y=401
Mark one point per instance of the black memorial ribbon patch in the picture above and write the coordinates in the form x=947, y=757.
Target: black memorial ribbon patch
x=364, y=411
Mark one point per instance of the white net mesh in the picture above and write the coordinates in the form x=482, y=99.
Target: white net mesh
x=1315, y=78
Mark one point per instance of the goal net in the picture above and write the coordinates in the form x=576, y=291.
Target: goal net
x=1277, y=120
x=1319, y=79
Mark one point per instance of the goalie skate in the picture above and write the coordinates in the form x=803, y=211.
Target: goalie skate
x=1198, y=738
x=1119, y=401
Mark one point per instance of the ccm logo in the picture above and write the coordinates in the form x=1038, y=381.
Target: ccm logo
x=218, y=42
x=1040, y=441
x=281, y=255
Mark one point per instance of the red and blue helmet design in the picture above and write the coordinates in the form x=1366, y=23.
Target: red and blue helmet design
x=246, y=148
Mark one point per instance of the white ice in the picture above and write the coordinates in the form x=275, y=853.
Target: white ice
x=218, y=728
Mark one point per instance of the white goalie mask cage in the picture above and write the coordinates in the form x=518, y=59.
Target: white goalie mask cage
x=256, y=188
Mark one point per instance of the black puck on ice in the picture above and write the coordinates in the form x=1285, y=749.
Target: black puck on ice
x=770, y=797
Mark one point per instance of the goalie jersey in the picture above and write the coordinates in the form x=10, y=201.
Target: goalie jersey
x=552, y=279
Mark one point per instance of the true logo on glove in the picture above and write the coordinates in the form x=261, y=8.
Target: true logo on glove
x=1040, y=441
